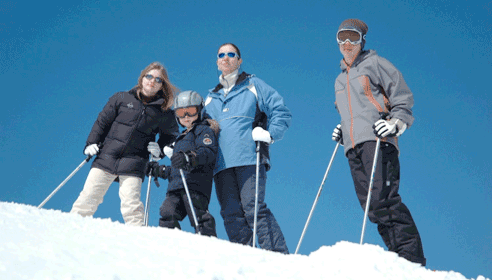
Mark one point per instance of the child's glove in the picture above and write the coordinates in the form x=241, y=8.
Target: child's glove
x=185, y=161
x=168, y=151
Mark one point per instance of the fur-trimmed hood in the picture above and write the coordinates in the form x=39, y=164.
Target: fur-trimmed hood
x=214, y=125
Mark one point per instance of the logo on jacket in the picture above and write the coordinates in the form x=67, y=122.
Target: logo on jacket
x=207, y=140
x=129, y=105
x=225, y=110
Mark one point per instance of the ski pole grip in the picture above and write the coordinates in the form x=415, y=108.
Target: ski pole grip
x=383, y=115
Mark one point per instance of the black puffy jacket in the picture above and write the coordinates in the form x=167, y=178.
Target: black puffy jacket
x=125, y=127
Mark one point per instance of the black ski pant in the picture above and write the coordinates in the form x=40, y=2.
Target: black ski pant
x=236, y=192
x=176, y=207
x=395, y=223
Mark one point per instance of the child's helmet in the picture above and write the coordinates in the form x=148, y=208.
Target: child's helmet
x=188, y=98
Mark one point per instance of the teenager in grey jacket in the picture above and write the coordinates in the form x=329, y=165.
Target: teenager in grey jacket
x=368, y=88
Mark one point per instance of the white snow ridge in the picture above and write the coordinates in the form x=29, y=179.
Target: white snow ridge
x=49, y=244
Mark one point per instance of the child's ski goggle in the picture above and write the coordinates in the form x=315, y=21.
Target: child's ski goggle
x=188, y=111
x=353, y=36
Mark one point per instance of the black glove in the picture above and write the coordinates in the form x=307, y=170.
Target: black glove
x=185, y=161
x=153, y=169
x=179, y=161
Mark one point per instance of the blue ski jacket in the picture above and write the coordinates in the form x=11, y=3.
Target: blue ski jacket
x=236, y=112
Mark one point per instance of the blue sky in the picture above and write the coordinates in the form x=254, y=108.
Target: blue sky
x=62, y=60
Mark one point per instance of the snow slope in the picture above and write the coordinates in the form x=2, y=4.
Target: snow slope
x=48, y=244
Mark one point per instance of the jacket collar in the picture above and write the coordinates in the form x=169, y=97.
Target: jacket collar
x=242, y=77
x=158, y=99
x=361, y=57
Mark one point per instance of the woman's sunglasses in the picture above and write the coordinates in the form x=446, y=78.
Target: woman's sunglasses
x=150, y=77
x=229, y=54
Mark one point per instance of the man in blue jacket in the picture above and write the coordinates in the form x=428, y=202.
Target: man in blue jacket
x=248, y=111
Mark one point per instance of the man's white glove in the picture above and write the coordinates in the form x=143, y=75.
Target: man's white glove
x=168, y=151
x=391, y=128
x=259, y=134
x=154, y=150
x=91, y=150
x=337, y=134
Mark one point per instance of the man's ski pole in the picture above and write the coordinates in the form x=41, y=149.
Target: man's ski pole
x=147, y=200
x=368, y=202
x=65, y=181
x=197, y=228
x=317, y=196
x=256, y=191
x=369, y=192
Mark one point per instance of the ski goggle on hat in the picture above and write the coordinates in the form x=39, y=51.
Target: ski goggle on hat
x=352, y=35
x=188, y=111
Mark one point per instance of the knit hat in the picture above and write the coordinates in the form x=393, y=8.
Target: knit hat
x=355, y=24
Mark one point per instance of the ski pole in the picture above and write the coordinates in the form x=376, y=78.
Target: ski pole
x=256, y=191
x=147, y=200
x=65, y=181
x=189, y=197
x=376, y=152
x=317, y=196
x=383, y=115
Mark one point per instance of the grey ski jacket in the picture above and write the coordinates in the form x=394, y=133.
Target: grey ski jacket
x=370, y=86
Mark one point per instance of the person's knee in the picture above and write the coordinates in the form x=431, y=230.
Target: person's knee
x=232, y=212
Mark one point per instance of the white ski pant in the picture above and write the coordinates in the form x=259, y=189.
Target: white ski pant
x=96, y=186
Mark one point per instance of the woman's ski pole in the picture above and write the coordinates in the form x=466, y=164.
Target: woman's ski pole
x=65, y=181
x=147, y=200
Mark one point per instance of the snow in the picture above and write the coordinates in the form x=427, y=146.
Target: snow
x=49, y=244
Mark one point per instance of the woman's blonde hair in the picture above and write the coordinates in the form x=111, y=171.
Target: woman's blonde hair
x=168, y=90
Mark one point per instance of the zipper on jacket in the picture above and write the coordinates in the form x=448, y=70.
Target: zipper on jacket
x=350, y=108
x=131, y=134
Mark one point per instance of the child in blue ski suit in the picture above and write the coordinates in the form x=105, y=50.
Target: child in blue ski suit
x=195, y=152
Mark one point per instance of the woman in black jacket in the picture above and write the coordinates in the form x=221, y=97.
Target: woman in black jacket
x=122, y=138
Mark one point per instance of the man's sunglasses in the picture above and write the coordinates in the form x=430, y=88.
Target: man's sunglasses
x=150, y=77
x=229, y=54
x=353, y=36
x=188, y=111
